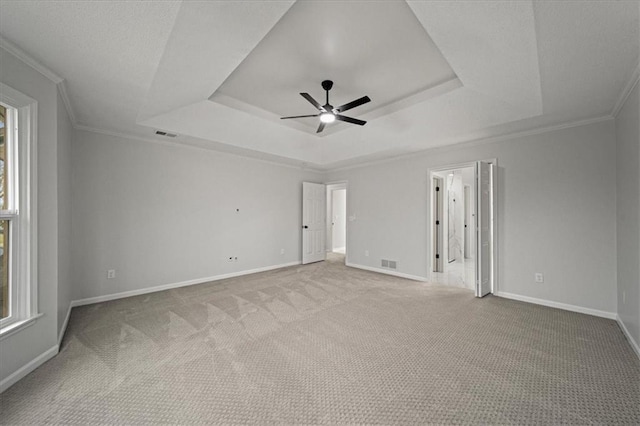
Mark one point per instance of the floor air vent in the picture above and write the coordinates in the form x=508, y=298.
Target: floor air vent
x=391, y=264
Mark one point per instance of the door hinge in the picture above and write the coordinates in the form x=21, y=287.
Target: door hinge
x=437, y=256
x=437, y=222
x=437, y=188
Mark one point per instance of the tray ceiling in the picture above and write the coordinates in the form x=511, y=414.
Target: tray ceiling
x=438, y=72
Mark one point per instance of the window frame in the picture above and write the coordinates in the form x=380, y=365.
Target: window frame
x=21, y=143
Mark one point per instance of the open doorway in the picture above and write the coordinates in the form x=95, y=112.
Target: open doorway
x=336, y=237
x=454, y=263
x=462, y=226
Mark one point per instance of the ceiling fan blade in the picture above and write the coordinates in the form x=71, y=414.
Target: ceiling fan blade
x=299, y=116
x=350, y=120
x=320, y=127
x=312, y=101
x=352, y=104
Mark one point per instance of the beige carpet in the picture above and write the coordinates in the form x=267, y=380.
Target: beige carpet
x=326, y=344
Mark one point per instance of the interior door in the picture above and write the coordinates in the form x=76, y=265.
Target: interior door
x=484, y=217
x=467, y=235
x=438, y=189
x=313, y=222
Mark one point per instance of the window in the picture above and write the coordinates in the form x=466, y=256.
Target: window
x=4, y=224
x=18, y=302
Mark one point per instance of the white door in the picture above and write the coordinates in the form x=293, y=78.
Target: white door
x=438, y=224
x=313, y=222
x=484, y=217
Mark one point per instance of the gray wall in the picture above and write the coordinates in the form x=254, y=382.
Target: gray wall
x=160, y=214
x=628, y=214
x=22, y=347
x=64, y=214
x=556, y=204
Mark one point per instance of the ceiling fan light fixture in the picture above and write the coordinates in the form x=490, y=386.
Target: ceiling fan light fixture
x=329, y=114
x=327, y=117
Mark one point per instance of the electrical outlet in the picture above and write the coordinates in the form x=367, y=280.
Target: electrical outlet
x=111, y=274
x=366, y=253
x=539, y=277
x=281, y=251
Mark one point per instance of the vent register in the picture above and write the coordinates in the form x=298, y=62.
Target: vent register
x=167, y=134
x=390, y=264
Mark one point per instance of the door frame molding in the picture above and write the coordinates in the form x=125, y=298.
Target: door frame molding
x=494, y=206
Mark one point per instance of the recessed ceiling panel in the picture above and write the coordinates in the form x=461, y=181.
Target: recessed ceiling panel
x=380, y=50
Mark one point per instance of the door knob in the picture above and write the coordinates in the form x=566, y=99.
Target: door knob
x=305, y=227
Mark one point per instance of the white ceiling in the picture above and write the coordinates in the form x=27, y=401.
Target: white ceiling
x=347, y=46
x=438, y=73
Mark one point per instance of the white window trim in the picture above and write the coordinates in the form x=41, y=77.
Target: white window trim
x=25, y=310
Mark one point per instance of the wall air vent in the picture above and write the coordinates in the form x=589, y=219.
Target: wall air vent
x=391, y=264
x=162, y=133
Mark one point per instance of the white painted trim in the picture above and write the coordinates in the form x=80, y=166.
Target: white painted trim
x=29, y=60
x=64, y=325
x=185, y=144
x=387, y=272
x=114, y=296
x=473, y=142
x=632, y=342
x=62, y=89
x=558, y=305
x=28, y=368
x=628, y=88
x=18, y=326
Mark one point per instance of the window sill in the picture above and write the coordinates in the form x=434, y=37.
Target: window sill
x=18, y=326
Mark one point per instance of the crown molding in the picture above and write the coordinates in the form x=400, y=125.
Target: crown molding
x=55, y=78
x=28, y=59
x=476, y=142
x=635, y=76
x=303, y=166
x=62, y=89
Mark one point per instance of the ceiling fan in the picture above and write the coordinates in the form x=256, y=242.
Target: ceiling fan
x=328, y=114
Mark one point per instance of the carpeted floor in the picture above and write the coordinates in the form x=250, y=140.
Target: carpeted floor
x=326, y=344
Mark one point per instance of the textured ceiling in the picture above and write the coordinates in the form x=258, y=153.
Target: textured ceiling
x=132, y=67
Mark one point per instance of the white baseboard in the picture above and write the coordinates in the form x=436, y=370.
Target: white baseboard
x=28, y=368
x=631, y=340
x=114, y=296
x=64, y=325
x=387, y=272
x=552, y=304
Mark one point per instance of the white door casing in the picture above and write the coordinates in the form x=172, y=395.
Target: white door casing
x=484, y=227
x=313, y=222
